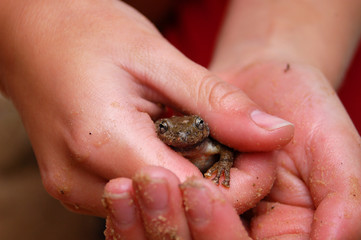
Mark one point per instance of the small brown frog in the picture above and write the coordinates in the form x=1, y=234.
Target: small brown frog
x=189, y=135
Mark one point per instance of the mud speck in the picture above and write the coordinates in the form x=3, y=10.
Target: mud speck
x=287, y=68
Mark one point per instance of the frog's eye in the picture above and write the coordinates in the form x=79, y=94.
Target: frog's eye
x=163, y=127
x=200, y=123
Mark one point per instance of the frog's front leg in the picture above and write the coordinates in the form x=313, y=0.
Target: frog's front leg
x=222, y=166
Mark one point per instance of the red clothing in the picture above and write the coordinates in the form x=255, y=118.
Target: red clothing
x=350, y=92
x=195, y=30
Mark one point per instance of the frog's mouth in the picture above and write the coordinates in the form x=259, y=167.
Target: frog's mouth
x=187, y=140
x=186, y=147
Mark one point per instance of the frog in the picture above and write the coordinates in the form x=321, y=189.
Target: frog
x=189, y=135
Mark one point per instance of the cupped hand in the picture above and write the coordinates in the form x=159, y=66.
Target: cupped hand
x=89, y=78
x=316, y=195
x=317, y=192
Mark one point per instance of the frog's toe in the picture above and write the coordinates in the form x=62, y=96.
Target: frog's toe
x=226, y=183
x=220, y=168
x=216, y=180
x=210, y=171
x=207, y=174
x=227, y=177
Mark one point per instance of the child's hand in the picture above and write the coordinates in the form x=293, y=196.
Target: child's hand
x=89, y=78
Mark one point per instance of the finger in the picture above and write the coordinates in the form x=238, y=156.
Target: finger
x=76, y=188
x=335, y=187
x=252, y=178
x=279, y=221
x=123, y=220
x=289, y=188
x=288, y=211
x=337, y=217
x=209, y=214
x=160, y=204
x=191, y=88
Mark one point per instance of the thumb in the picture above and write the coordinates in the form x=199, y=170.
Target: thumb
x=234, y=119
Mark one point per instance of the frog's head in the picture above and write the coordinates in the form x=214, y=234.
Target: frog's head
x=182, y=131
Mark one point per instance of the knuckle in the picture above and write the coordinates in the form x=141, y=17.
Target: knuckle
x=147, y=54
x=83, y=141
x=78, y=147
x=219, y=94
x=145, y=45
x=58, y=177
x=75, y=208
x=56, y=186
x=71, y=207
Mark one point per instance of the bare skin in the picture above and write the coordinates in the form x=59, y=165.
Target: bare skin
x=293, y=74
x=208, y=215
x=189, y=135
x=315, y=188
x=307, y=167
x=88, y=78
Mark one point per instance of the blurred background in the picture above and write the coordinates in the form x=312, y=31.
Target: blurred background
x=26, y=209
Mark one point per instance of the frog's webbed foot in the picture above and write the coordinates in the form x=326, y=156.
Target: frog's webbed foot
x=220, y=167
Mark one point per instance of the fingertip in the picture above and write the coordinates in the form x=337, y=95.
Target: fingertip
x=250, y=130
x=252, y=178
x=118, y=186
x=122, y=215
x=159, y=200
x=208, y=212
x=197, y=200
x=149, y=173
x=268, y=121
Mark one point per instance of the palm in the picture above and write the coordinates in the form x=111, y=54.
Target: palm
x=318, y=173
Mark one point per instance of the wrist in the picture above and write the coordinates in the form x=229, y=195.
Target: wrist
x=295, y=32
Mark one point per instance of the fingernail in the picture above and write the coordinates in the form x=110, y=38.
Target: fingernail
x=152, y=192
x=267, y=121
x=120, y=208
x=197, y=202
